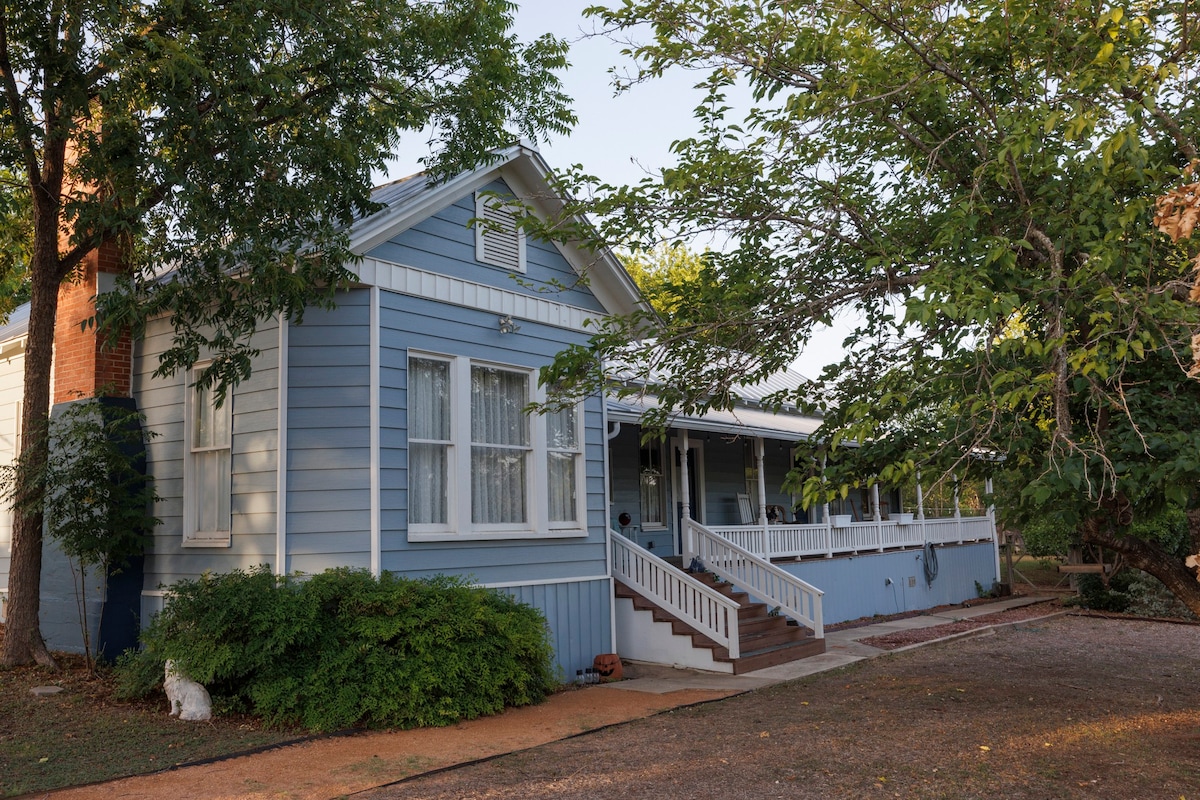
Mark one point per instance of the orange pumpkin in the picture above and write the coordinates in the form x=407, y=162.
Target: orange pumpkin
x=607, y=666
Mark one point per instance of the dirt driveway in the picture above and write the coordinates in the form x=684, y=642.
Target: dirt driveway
x=1070, y=707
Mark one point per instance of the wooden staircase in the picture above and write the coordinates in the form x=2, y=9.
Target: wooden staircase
x=765, y=640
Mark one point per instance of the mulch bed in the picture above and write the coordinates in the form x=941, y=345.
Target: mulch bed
x=893, y=641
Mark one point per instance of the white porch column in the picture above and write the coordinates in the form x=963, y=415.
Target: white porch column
x=920, y=498
x=876, y=516
x=759, y=461
x=957, y=512
x=689, y=546
x=825, y=514
x=991, y=514
x=921, y=508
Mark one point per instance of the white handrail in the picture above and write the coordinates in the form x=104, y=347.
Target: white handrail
x=760, y=578
x=804, y=540
x=701, y=607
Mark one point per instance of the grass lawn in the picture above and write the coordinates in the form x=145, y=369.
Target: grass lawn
x=82, y=735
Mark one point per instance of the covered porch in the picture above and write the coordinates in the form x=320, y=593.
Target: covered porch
x=733, y=466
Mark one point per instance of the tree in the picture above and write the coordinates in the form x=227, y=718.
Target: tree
x=976, y=181
x=93, y=490
x=666, y=275
x=229, y=144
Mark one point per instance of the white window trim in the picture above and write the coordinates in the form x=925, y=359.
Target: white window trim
x=191, y=536
x=483, y=202
x=458, y=526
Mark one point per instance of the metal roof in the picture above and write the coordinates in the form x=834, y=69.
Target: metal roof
x=738, y=422
x=17, y=325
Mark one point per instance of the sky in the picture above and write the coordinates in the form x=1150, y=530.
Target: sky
x=620, y=139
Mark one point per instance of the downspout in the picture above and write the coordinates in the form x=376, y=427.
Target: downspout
x=612, y=588
x=281, y=453
x=376, y=532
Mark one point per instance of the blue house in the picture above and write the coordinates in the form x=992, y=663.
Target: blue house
x=389, y=434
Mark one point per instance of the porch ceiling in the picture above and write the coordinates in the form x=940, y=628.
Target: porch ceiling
x=739, y=422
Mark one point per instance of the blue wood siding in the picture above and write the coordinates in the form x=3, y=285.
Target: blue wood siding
x=329, y=437
x=579, y=616
x=427, y=326
x=856, y=586
x=255, y=446
x=445, y=243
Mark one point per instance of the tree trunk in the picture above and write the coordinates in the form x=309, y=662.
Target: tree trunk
x=1149, y=558
x=23, y=643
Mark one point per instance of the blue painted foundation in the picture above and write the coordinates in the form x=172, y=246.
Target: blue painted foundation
x=857, y=586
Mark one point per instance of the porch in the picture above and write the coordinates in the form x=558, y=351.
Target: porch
x=840, y=537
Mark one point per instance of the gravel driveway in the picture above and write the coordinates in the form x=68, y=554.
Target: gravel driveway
x=1069, y=707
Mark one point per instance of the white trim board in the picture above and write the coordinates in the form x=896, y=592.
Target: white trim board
x=544, y=582
x=403, y=279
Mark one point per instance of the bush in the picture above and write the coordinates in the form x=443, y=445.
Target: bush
x=1150, y=598
x=344, y=648
x=1094, y=595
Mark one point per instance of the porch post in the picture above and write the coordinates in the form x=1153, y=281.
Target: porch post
x=689, y=546
x=825, y=514
x=876, y=516
x=759, y=460
x=920, y=498
x=991, y=514
x=957, y=512
x=921, y=509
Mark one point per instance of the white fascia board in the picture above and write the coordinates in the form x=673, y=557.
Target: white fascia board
x=530, y=177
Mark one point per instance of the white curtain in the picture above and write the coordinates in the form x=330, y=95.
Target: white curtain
x=499, y=445
x=429, y=440
x=562, y=439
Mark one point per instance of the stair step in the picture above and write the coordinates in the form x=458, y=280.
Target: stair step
x=759, y=641
x=779, y=654
x=764, y=640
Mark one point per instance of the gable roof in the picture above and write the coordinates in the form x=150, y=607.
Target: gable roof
x=415, y=198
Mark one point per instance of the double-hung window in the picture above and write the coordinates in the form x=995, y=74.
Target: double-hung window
x=500, y=448
x=208, y=468
x=481, y=466
x=564, y=458
x=653, y=485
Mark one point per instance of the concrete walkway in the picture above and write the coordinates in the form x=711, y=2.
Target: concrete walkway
x=841, y=648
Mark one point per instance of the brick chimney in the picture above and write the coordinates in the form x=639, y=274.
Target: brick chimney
x=83, y=365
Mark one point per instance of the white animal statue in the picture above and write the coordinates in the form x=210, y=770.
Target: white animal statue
x=189, y=700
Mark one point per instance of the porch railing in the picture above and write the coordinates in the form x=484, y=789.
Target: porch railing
x=795, y=541
x=679, y=594
x=753, y=574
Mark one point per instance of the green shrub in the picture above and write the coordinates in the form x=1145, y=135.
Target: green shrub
x=344, y=648
x=1148, y=597
x=1046, y=537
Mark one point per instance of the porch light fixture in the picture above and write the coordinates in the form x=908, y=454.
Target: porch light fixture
x=507, y=325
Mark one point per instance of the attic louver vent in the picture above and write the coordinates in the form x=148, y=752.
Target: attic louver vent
x=498, y=240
